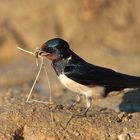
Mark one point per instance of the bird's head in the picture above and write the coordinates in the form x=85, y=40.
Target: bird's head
x=55, y=49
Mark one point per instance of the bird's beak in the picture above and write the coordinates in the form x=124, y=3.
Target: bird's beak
x=43, y=53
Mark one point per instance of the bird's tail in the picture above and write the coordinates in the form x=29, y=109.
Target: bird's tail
x=131, y=82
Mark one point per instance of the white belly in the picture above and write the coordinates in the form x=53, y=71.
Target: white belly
x=94, y=90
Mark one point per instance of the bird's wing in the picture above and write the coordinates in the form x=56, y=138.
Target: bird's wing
x=88, y=74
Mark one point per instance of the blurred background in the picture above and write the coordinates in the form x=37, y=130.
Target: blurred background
x=103, y=32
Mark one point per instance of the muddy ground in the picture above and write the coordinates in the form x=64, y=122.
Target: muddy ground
x=103, y=32
x=34, y=121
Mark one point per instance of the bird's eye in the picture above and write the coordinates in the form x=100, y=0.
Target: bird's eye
x=50, y=50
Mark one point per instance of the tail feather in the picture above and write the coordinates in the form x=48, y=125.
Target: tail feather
x=128, y=81
x=122, y=80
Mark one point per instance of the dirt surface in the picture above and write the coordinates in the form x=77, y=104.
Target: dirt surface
x=103, y=32
x=34, y=121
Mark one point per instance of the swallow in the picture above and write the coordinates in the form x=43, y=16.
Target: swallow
x=81, y=77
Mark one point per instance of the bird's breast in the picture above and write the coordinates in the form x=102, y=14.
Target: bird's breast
x=82, y=89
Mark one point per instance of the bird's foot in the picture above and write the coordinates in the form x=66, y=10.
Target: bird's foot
x=82, y=113
x=71, y=105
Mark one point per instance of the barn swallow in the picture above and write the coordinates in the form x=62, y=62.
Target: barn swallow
x=82, y=77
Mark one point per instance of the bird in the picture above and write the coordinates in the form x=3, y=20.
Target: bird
x=82, y=77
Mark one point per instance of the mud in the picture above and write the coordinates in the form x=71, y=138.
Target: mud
x=25, y=121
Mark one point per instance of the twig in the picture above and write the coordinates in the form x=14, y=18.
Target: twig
x=49, y=85
x=36, y=54
x=29, y=52
x=25, y=51
x=41, y=66
x=34, y=82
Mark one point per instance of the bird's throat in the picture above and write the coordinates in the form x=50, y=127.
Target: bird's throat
x=51, y=56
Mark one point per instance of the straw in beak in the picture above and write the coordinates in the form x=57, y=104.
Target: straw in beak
x=43, y=53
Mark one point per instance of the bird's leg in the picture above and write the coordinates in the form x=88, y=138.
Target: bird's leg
x=78, y=99
x=88, y=105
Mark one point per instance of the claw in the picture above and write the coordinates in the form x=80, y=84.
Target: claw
x=75, y=102
x=83, y=113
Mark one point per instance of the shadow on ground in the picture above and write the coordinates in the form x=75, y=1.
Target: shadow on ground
x=130, y=101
